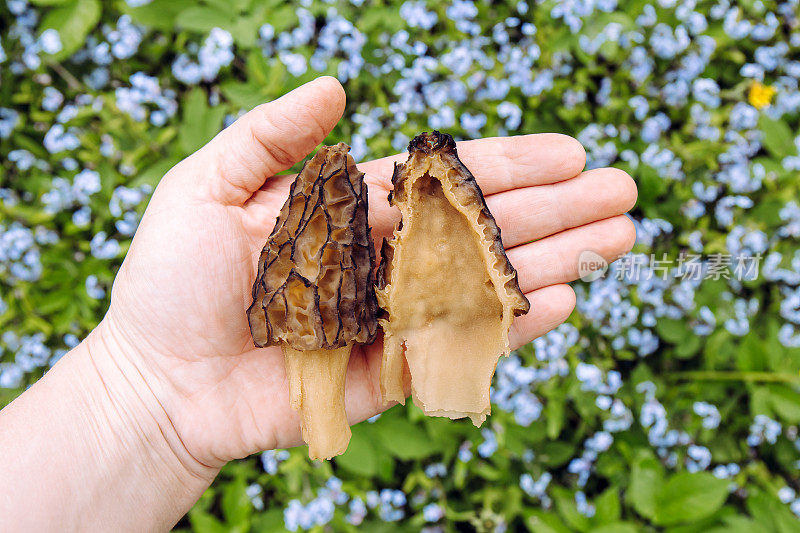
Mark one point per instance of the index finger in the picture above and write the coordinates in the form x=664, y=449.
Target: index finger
x=505, y=163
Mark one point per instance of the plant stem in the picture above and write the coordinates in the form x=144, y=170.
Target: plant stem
x=71, y=80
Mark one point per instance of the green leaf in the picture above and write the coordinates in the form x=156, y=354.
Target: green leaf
x=647, y=478
x=283, y=16
x=203, y=522
x=767, y=210
x=688, y=347
x=554, y=414
x=544, y=522
x=203, y=18
x=771, y=513
x=777, y=138
x=377, y=18
x=752, y=354
x=385, y=527
x=153, y=174
x=219, y=4
x=48, y=2
x=361, y=457
x=617, y=527
x=740, y=524
x=650, y=185
x=761, y=401
x=688, y=497
x=242, y=6
x=160, y=14
x=556, y=453
x=403, y=439
x=268, y=522
x=8, y=395
x=236, y=506
x=245, y=31
x=671, y=330
x=73, y=21
x=568, y=510
x=200, y=123
x=607, y=506
x=785, y=402
x=244, y=95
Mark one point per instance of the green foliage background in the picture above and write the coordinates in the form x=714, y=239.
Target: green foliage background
x=631, y=486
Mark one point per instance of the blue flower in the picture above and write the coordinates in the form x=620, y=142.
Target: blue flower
x=50, y=41
x=144, y=90
x=432, y=512
x=295, y=63
x=93, y=288
x=654, y=126
x=535, y=488
x=82, y=217
x=104, y=248
x=706, y=91
x=735, y=28
x=465, y=452
x=52, y=99
x=667, y=43
x=416, y=15
x=583, y=506
x=473, y=123
x=640, y=106
x=216, y=52
x=763, y=429
x=358, y=511
x=270, y=460
x=11, y=376
x=786, y=494
x=9, y=119
x=391, y=504
x=489, y=444
x=770, y=57
x=124, y=40
x=699, y=458
x=461, y=10
x=511, y=113
x=436, y=470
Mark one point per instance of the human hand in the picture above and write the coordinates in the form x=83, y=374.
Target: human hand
x=177, y=314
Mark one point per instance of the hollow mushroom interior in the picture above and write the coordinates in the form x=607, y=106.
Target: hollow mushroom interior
x=447, y=321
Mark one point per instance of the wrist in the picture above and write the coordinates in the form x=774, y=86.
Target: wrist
x=88, y=447
x=131, y=434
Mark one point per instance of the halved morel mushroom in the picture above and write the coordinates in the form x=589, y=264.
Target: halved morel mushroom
x=314, y=293
x=447, y=288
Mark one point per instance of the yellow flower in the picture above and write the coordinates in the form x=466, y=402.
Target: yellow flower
x=760, y=95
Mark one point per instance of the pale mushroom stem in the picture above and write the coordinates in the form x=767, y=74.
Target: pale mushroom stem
x=316, y=391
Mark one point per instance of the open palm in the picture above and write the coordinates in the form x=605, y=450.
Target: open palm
x=178, y=303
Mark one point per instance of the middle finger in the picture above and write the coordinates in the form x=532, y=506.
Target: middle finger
x=531, y=213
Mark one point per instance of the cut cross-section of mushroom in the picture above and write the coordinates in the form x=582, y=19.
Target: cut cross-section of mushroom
x=448, y=291
x=314, y=293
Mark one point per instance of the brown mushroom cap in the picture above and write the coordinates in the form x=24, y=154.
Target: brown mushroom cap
x=448, y=291
x=314, y=288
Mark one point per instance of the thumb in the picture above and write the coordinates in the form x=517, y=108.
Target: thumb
x=270, y=138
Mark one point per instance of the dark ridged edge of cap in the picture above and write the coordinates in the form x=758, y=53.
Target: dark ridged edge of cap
x=436, y=143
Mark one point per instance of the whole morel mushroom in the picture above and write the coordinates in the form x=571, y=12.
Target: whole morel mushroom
x=447, y=288
x=314, y=293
